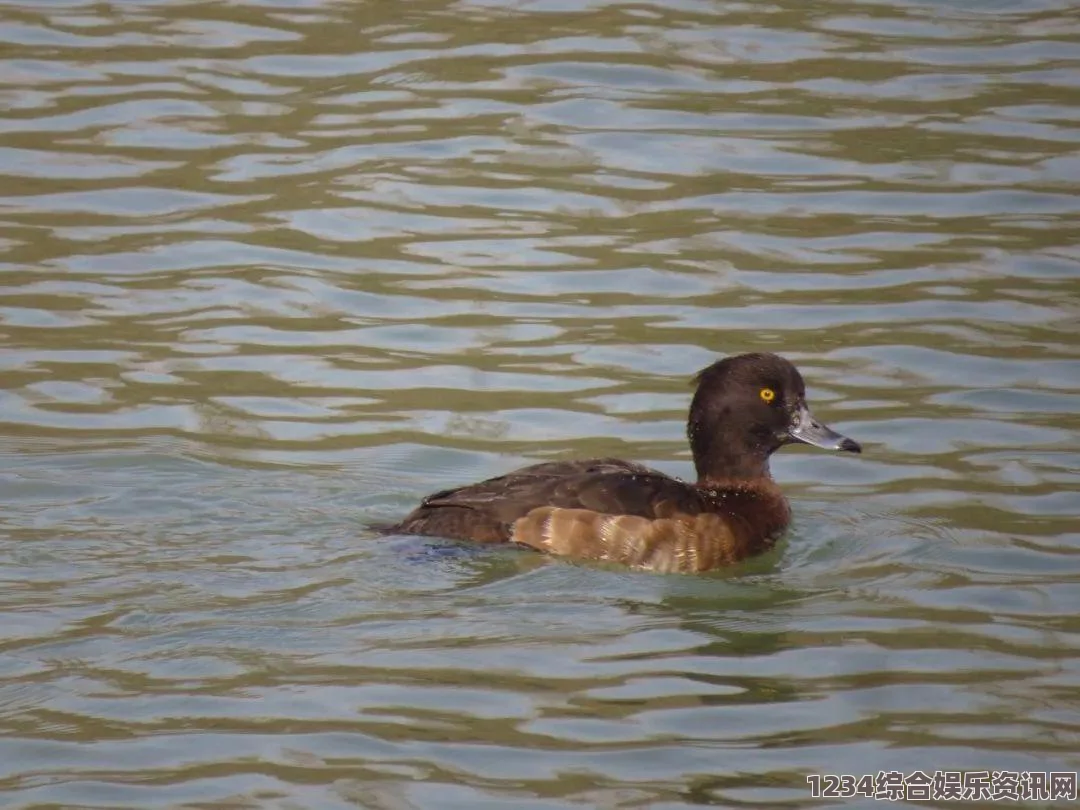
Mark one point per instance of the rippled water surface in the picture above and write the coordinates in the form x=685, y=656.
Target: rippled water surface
x=270, y=271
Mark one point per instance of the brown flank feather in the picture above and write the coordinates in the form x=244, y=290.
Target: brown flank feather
x=752, y=517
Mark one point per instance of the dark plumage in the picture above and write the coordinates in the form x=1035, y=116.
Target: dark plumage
x=745, y=408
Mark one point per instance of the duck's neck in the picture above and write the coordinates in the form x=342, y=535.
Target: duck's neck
x=720, y=457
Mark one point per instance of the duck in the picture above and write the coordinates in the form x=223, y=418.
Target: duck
x=745, y=407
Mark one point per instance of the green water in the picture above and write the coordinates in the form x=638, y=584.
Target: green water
x=270, y=271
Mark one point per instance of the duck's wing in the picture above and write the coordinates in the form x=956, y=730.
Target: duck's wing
x=586, y=509
x=532, y=483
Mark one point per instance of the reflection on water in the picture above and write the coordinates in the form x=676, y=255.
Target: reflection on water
x=269, y=272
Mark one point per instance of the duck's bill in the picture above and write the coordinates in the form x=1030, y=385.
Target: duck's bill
x=808, y=430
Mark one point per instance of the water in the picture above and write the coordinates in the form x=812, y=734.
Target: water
x=272, y=271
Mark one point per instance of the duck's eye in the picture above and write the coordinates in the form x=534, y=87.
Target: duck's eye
x=767, y=394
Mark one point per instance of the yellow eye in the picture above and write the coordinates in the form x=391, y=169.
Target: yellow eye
x=767, y=395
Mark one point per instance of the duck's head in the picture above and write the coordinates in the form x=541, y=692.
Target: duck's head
x=746, y=407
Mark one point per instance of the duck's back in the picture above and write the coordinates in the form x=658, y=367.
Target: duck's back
x=486, y=511
x=608, y=509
